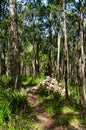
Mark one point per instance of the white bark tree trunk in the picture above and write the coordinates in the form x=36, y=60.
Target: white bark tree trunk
x=83, y=58
x=65, y=50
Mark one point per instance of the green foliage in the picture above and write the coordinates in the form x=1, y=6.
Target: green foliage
x=75, y=97
x=50, y=110
x=39, y=24
x=16, y=113
x=30, y=81
x=5, y=111
x=26, y=80
x=43, y=91
x=14, y=108
x=19, y=102
x=5, y=79
x=63, y=112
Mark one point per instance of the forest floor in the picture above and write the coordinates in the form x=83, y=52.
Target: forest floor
x=35, y=107
x=43, y=121
x=45, y=118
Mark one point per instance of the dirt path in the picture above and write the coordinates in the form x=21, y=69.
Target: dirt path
x=43, y=121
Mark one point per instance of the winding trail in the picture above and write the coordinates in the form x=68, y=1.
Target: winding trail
x=43, y=121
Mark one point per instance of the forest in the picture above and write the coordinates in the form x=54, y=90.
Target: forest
x=42, y=64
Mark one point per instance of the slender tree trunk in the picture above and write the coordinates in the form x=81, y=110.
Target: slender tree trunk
x=2, y=46
x=37, y=59
x=50, y=48
x=50, y=63
x=35, y=49
x=34, y=60
x=66, y=51
x=70, y=70
x=25, y=66
x=79, y=70
x=58, y=56
x=13, y=44
x=3, y=66
x=0, y=62
x=83, y=57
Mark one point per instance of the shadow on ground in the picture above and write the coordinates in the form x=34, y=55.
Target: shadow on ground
x=65, y=115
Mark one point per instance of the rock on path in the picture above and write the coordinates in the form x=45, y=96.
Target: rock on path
x=50, y=84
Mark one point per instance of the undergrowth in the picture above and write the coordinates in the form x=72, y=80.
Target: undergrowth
x=15, y=110
x=65, y=113
x=16, y=113
x=31, y=81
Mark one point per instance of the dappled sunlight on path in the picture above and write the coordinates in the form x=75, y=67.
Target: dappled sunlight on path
x=43, y=121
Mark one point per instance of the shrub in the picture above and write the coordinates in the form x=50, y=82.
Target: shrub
x=19, y=102
x=5, y=111
x=5, y=79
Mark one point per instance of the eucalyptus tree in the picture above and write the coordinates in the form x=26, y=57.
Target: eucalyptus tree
x=82, y=52
x=52, y=9
x=30, y=17
x=80, y=6
x=45, y=16
x=3, y=35
x=36, y=28
x=58, y=53
x=13, y=45
x=50, y=44
x=72, y=38
x=65, y=50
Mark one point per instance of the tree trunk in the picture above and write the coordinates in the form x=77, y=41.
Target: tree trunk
x=50, y=47
x=65, y=51
x=13, y=45
x=83, y=57
x=58, y=55
x=79, y=59
x=35, y=48
x=3, y=66
x=37, y=59
x=2, y=46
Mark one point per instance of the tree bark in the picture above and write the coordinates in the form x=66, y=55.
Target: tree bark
x=58, y=55
x=83, y=57
x=50, y=47
x=2, y=45
x=65, y=51
x=13, y=45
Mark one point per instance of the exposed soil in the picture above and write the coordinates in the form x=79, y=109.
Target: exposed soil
x=44, y=122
